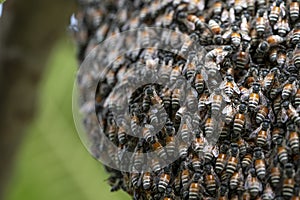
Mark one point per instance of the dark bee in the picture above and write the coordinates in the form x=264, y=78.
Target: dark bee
x=221, y=159
x=232, y=160
x=296, y=56
x=288, y=182
x=239, y=119
x=211, y=180
x=262, y=134
x=147, y=179
x=195, y=187
x=293, y=139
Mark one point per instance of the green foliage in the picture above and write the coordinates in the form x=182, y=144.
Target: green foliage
x=2, y=1
x=52, y=163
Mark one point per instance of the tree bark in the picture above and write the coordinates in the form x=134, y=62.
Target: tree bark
x=28, y=31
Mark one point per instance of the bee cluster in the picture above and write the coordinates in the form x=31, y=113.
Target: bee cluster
x=254, y=45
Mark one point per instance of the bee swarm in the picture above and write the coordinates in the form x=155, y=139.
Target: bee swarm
x=254, y=45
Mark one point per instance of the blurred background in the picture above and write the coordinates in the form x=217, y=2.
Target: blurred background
x=42, y=156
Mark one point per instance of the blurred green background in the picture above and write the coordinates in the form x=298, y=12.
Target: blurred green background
x=52, y=163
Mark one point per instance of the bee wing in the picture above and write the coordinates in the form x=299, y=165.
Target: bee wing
x=271, y=115
x=224, y=15
x=263, y=98
x=215, y=151
x=236, y=88
x=227, y=109
x=223, y=84
x=254, y=133
x=231, y=15
x=283, y=115
x=283, y=9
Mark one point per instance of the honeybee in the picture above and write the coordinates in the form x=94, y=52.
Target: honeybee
x=256, y=97
x=235, y=179
x=195, y=188
x=297, y=99
x=147, y=179
x=294, y=10
x=247, y=160
x=175, y=73
x=185, y=130
x=253, y=185
x=282, y=26
x=223, y=192
x=232, y=162
x=261, y=21
x=296, y=56
x=229, y=111
x=262, y=114
x=211, y=180
x=235, y=37
x=293, y=139
x=222, y=158
x=198, y=143
x=216, y=100
x=262, y=134
x=229, y=86
x=259, y=163
x=288, y=182
x=289, y=112
x=243, y=57
x=216, y=29
x=275, y=175
x=203, y=101
x=239, y=119
x=122, y=138
x=159, y=149
x=268, y=193
x=164, y=180
x=210, y=152
x=274, y=40
x=294, y=35
x=275, y=12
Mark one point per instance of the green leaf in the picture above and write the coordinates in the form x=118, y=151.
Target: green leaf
x=2, y=1
x=52, y=163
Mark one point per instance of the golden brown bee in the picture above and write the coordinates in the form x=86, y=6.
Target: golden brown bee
x=195, y=187
x=282, y=154
x=261, y=114
x=239, y=119
x=176, y=99
x=185, y=177
x=147, y=179
x=261, y=21
x=203, y=101
x=216, y=100
x=247, y=160
x=294, y=35
x=297, y=99
x=122, y=138
x=268, y=193
x=275, y=12
x=282, y=27
x=259, y=163
x=112, y=130
x=232, y=160
x=254, y=97
x=199, y=83
x=274, y=40
x=243, y=57
x=288, y=182
x=275, y=175
x=198, y=143
x=195, y=20
x=211, y=180
x=253, y=185
x=254, y=37
x=209, y=126
x=170, y=145
x=294, y=10
x=296, y=56
x=235, y=179
x=262, y=134
x=164, y=181
x=235, y=37
x=175, y=73
x=289, y=88
x=216, y=29
x=289, y=112
x=293, y=139
x=229, y=86
x=159, y=149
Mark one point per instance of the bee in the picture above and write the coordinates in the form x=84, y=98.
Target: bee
x=176, y=98
x=243, y=57
x=223, y=192
x=232, y=162
x=222, y=158
x=293, y=139
x=269, y=79
x=195, y=187
x=165, y=71
x=259, y=163
x=239, y=119
x=294, y=10
x=275, y=176
x=229, y=111
x=185, y=176
x=242, y=146
x=199, y=83
x=198, y=143
x=275, y=12
x=288, y=182
x=179, y=115
x=235, y=179
x=166, y=98
x=255, y=97
x=294, y=35
x=282, y=27
x=190, y=70
x=209, y=126
x=148, y=133
x=261, y=21
x=164, y=180
x=247, y=160
x=186, y=130
x=254, y=37
x=216, y=29
x=186, y=46
x=253, y=185
x=203, y=101
x=168, y=18
x=239, y=5
x=211, y=180
x=136, y=180
x=282, y=154
x=289, y=88
x=275, y=40
x=183, y=150
x=261, y=114
x=196, y=21
x=156, y=146
x=268, y=193
x=297, y=99
x=262, y=134
x=170, y=145
x=296, y=56
x=191, y=100
x=112, y=131
x=175, y=73
x=147, y=179
x=210, y=152
x=229, y=86
x=196, y=163
x=235, y=37
x=122, y=138
x=216, y=100
x=289, y=112
x=155, y=166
